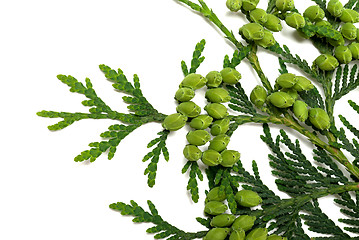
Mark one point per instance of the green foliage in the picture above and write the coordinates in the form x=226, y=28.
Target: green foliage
x=143, y=112
x=237, y=58
x=194, y=173
x=271, y=6
x=283, y=68
x=312, y=98
x=343, y=85
x=319, y=222
x=115, y=135
x=350, y=4
x=239, y=100
x=154, y=156
x=162, y=229
x=227, y=183
x=197, y=59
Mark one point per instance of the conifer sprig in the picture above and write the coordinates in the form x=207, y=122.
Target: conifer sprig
x=154, y=156
x=141, y=112
x=162, y=229
x=194, y=173
x=197, y=59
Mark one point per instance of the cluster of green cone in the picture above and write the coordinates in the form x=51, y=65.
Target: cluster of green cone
x=236, y=227
x=345, y=41
x=288, y=85
x=215, y=123
x=262, y=24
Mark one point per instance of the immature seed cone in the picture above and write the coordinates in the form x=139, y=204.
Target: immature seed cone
x=189, y=109
x=286, y=80
x=302, y=84
x=252, y=31
x=217, y=234
x=248, y=198
x=323, y=23
x=276, y=237
x=216, y=195
x=239, y=234
x=244, y=222
x=257, y=234
x=267, y=41
x=343, y=54
x=211, y=157
x=314, y=13
x=258, y=15
x=295, y=20
x=354, y=49
x=284, y=5
x=249, y=5
x=234, y=5
x=335, y=8
x=229, y=158
x=219, y=143
x=192, y=153
x=184, y=94
x=216, y=110
x=349, y=15
x=292, y=92
x=223, y=220
x=326, y=62
x=281, y=99
x=258, y=96
x=215, y=208
x=220, y=126
x=349, y=31
x=198, y=137
x=174, y=122
x=273, y=23
x=300, y=110
x=230, y=75
x=214, y=79
x=201, y=122
x=319, y=118
x=217, y=95
x=194, y=81
x=338, y=42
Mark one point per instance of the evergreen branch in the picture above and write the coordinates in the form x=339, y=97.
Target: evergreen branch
x=333, y=170
x=271, y=6
x=324, y=31
x=98, y=110
x=137, y=102
x=162, y=229
x=154, y=156
x=312, y=98
x=197, y=59
x=115, y=135
x=194, y=172
x=237, y=58
x=239, y=100
x=350, y=127
x=350, y=208
x=228, y=184
x=346, y=144
x=350, y=4
x=319, y=222
x=336, y=153
x=341, y=79
x=296, y=60
x=283, y=68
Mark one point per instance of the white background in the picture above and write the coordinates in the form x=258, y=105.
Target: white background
x=44, y=193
